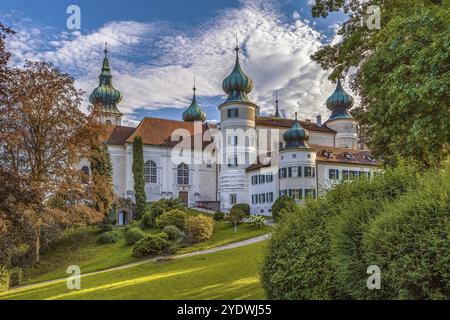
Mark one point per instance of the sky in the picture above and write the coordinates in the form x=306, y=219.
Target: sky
x=156, y=48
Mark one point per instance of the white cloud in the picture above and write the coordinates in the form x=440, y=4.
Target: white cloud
x=154, y=64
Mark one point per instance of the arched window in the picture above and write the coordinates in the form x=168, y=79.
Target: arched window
x=86, y=171
x=150, y=172
x=183, y=174
x=108, y=122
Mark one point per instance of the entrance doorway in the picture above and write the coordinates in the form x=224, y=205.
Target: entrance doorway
x=184, y=198
x=122, y=218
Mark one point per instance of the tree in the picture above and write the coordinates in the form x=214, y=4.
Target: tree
x=283, y=204
x=43, y=135
x=402, y=75
x=102, y=181
x=236, y=215
x=138, y=174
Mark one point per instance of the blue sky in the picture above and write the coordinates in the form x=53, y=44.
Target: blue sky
x=158, y=46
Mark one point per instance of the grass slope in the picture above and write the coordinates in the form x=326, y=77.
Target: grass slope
x=90, y=256
x=229, y=274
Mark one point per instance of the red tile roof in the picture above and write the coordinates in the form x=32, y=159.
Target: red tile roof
x=343, y=155
x=118, y=135
x=287, y=123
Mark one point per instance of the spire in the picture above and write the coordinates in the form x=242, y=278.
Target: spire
x=194, y=112
x=105, y=94
x=339, y=103
x=277, y=109
x=296, y=136
x=237, y=85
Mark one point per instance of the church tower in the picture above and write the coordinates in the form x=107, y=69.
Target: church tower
x=194, y=112
x=340, y=120
x=105, y=97
x=239, y=144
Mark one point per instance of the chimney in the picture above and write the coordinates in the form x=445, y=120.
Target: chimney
x=319, y=120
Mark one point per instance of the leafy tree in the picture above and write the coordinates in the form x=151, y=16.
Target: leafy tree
x=402, y=75
x=102, y=182
x=138, y=174
x=235, y=217
x=283, y=204
x=43, y=135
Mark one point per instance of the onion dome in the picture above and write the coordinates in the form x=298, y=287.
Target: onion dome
x=105, y=94
x=194, y=112
x=339, y=103
x=296, y=136
x=237, y=85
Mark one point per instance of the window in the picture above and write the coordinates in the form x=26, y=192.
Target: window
x=269, y=177
x=295, y=194
x=299, y=171
x=233, y=198
x=108, y=122
x=310, y=172
x=262, y=198
x=85, y=171
x=150, y=172
x=233, y=113
x=310, y=193
x=233, y=162
x=254, y=179
x=262, y=178
x=353, y=174
x=294, y=155
x=333, y=174
x=283, y=173
x=300, y=194
x=255, y=199
x=269, y=196
x=233, y=140
x=183, y=174
x=345, y=175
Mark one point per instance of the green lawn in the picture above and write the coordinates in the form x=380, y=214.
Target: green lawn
x=91, y=256
x=229, y=274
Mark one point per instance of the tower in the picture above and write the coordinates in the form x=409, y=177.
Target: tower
x=105, y=97
x=277, y=109
x=340, y=120
x=239, y=146
x=194, y=112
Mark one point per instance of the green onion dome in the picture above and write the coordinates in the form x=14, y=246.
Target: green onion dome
x=194, y=112
x=105, y=94
x=296, y=136
x=339, y=103
x=237, y=85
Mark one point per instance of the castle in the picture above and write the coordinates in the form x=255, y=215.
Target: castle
x=253, y=159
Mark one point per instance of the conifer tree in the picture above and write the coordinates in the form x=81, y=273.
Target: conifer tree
x=138, y=174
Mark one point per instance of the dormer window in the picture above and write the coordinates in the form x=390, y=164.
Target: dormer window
x=233, y=113
x=349, y=156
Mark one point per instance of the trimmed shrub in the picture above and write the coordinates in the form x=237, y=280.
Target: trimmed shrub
x=109, y=237
x=175, y=218
x=410, y=240
x=163, y=235
x=299, y=262
x=218, y=215
x=242, y=206
x=15, y=277
x=256, y=221
x=283, y=204
x=134, y=235
x=150, y=245
x=173, y=233
x=199, y=228
x=148, y=220
x=4, y=279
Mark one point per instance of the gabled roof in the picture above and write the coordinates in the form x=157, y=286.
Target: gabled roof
x=158, y=132
x=287, y=123
x=118, y=135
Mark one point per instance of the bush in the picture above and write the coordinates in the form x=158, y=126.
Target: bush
x=148, y=220
x=175, y=218
x=4, y=279
x=107, y=227
x=409, y=241
x=109, y=237
x=199, y=228
x=134, y=235
x=173, y=233
x=299, y=262
x=150, y=245
x=256, y=221
x=283, y=204
x=163, y=235
x=218, y=215
x=242, y=206
x=15, y=277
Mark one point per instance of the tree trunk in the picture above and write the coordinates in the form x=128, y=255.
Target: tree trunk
x=235, y=227
x=37, y=242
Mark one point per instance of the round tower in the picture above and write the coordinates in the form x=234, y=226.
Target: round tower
x=297, y=172
x=339, y=103
x=105, y=97
x=238, y=148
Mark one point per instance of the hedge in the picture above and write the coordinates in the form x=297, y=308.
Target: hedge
x=199, y=228
x=151, y=245
x=174, y=217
